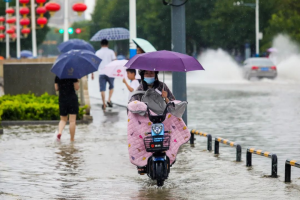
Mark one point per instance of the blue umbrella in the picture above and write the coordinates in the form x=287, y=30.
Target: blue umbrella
x=111, y=34
x=26, y=54
x=75, y=64
x=75, y=44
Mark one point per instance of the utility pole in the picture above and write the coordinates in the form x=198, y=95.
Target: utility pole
x=7, y=36
x=257, y=26
x=179, y=45
x=18, y=29
x=33, y=29
x=132, y=27
x=66, y=21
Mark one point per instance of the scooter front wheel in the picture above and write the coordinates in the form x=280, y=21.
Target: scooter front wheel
x=159, y=174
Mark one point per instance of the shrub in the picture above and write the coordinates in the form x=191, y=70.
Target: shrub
x=31, y=107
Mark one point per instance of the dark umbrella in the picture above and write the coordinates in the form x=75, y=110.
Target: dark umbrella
x=75, y=44
x=111, y=34
x=26, y=54
x=164, y=61
x=75, y=64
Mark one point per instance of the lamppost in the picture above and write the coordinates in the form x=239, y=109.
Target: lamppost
x=258, y=35
x=132, y=27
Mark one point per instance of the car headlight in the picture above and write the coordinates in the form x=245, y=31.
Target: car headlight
x=157, y=128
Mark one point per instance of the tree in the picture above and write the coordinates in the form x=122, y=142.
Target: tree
x=286, y=20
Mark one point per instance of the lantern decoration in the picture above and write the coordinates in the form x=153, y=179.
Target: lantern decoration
x=2, y=20
x=42, y=21
x=24, y=22
x=2, y=36
x=10, y=11
x=41, y=2
x=41, y=11
x=11, y=20
x=52, y=7
x=25, y=31
x=10, y=31
x=24, y=11
x=79, y=8
x=2, y=28
x=24, y=2
x=13, y=36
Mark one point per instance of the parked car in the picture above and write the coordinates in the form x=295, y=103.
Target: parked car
x=259, y=68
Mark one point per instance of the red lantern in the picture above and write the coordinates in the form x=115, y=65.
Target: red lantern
x=41, y=1
x=10, y=31
x=11, y=20
x=2, y=36
x=25, y=31
x=13, y=36
x=10, y=11
x=2, y=19
x=41, y=10
x=42, y=21
x=25, y=22
x=52, y=7
x=2, y=28
x=79, y=8
x=24, y=2
x=24, y=11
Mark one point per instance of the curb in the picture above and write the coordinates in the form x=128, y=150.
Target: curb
x=86, y=120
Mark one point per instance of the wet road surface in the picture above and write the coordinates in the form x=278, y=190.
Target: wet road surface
x=262, y=115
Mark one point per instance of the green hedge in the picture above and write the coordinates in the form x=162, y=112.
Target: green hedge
x=31, y=107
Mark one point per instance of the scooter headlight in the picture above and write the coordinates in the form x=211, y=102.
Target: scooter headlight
x=157, y=128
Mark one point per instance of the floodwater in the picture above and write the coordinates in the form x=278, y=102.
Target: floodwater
x=264, y=115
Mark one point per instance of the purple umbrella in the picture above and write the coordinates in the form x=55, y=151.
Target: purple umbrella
x=164, y=61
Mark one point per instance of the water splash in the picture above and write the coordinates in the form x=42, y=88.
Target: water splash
x=287, y=58
x=219, y=66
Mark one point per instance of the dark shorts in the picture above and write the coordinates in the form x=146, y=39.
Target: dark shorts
x=103, y=79
x=68, y=108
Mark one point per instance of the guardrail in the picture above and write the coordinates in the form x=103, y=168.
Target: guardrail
x=209, y=138
x=265, y=154
x=288, y=164
x=232, y=144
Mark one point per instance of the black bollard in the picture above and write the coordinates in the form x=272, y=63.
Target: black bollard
x=248, y=159
x=287, y=177
x=216, y=146
x=238, y=153
x=274, y=166
x=209, y=142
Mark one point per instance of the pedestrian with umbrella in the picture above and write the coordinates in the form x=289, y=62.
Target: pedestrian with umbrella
x=107, y=55
x=69, y=67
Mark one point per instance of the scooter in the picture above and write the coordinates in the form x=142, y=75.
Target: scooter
x=158, y=165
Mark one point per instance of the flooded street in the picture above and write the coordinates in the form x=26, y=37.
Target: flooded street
x=263, y=115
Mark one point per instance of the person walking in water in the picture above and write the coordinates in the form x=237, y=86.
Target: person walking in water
x=107, y=55
x=68, y=104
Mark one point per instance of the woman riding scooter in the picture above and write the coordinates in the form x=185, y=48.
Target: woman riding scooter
x=150, y=80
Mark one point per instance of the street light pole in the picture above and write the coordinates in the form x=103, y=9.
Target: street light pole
x=66, y=21
x=7, y=36
x=179, y=45
x=257, y=26
x=18, y=29
x=132, y=27
x=33, y=29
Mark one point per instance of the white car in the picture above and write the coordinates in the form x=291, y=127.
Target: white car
x=259, y=68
